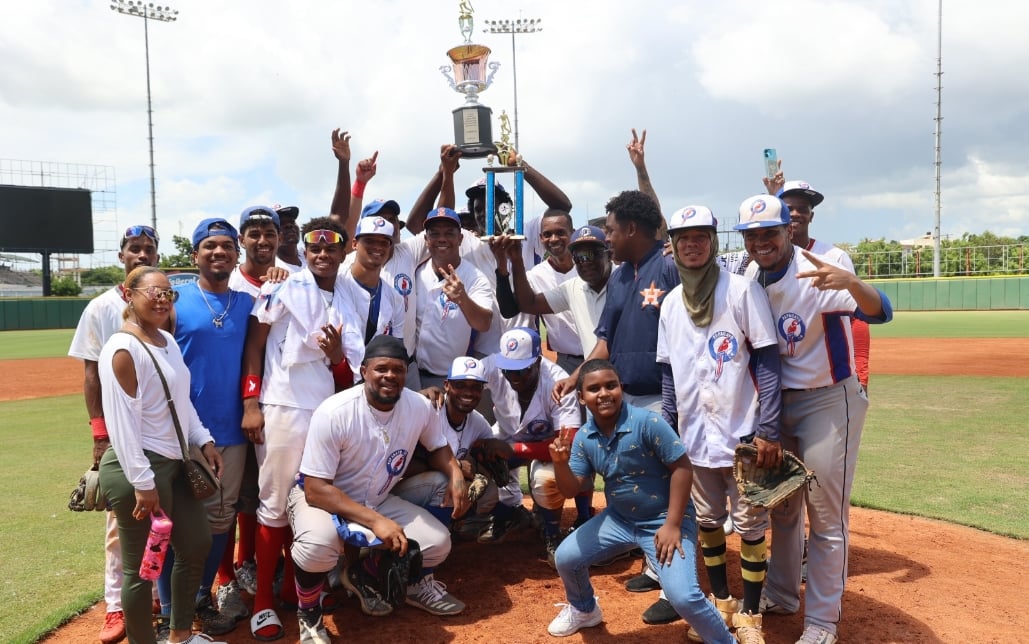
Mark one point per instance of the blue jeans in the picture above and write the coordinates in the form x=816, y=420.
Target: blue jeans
x=608, y=534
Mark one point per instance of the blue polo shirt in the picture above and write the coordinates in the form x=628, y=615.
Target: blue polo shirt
x=633, y=461
x=630, y=319
x=214, y=355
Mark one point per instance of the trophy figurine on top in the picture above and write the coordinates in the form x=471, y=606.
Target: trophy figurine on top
x=473, y=132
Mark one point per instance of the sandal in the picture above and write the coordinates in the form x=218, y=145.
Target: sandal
x=264, y=619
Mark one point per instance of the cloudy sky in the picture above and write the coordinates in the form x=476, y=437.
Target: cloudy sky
x=246, y=93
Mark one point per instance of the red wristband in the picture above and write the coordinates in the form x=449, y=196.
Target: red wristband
x=251, y=387
x=342, y=375
x=99, y=426
x=357, y=189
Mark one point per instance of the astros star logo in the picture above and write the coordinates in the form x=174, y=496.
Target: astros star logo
x=651, y=296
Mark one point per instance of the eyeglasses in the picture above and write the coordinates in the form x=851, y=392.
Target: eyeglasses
x=325, y=236
x=155, y=294
x=583, y=256
x=137, y=231
x=803, y=210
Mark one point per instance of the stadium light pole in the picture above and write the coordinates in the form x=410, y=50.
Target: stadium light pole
x=514, y=27
x=147, y=12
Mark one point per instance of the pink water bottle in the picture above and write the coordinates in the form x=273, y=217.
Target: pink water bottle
x=156, y=546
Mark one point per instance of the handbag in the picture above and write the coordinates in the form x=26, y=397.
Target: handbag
x=200, y=478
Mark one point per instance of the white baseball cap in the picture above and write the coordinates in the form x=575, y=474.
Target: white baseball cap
x=692, y=217
x=467, y=368
x=763, y=211
x=519, y=348
x=802, y=188
x=374, y=226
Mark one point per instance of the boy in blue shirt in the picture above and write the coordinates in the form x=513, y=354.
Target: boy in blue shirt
x=647, y=478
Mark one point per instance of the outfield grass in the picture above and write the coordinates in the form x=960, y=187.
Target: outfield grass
x=48, y=343
x=955, y=324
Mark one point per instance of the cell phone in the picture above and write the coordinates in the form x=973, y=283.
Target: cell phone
x=771, y=163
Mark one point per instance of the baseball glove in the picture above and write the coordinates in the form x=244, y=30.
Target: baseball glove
x=768, y=487
x=395, y=573
x=86, y=495
x=494, y=469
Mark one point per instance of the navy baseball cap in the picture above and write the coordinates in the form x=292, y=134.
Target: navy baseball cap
x=376, y=206
x=763, y=211
x=288, y=212
x=801, y=188
x=480, y=184
x=258, y=214
x=212, y=227
x=588, y=235
x=442, y=214
x=519, y=348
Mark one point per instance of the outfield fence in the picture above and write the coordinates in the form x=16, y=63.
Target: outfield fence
x=961, y=261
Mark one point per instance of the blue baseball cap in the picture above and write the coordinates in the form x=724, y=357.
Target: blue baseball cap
x=258, y=214
x=519, y=348
x=442, y=214
x=588, y=235
x=374, y=207
x=763, y=211
x=212, y=227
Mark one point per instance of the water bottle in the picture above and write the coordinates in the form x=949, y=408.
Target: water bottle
x=156, y=546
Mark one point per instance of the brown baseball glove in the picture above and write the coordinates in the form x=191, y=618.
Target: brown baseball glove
x=768, y=487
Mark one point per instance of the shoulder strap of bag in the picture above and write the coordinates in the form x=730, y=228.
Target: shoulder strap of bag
x=167, y=395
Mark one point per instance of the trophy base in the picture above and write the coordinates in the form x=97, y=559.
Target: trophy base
x=488, y=238
x=473, y=132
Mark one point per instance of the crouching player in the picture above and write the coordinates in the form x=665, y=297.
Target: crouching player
x=647, y=479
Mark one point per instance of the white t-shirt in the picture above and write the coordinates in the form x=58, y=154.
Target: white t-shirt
x=364, y=451
x=399, y=272
x=292, y=268
x=834, y=254
x=585, y=306
x=542, y=418
x=562, y=332
x=443, y=331
x=715, y=394
x=100, y=320
x=391, y=305
x=461, y=439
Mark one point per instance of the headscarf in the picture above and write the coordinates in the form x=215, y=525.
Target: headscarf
x=698, y=284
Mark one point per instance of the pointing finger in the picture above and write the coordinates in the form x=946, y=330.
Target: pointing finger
x=813, y=259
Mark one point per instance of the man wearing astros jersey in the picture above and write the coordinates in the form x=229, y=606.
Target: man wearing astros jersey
x=356, y=451
x=720, y=386
x=823, y=413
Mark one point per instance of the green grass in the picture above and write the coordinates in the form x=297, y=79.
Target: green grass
x=52, y=559
x=955, y=324
x=951, y=448
x=49, y=343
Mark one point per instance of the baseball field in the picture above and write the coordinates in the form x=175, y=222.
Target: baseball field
x=940, y=535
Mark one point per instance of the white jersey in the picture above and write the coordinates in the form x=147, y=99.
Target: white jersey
x=715, y=393
x=542, y=417
x=399, y=272
x=364, y=451
x=240, y=282
x=834, y=254
x=462, y=437
x=442, y=329
x=358, y=300
x=562, y=332
x=585, y=306
x=100, y=320
x=815, y=342
x=292, y=268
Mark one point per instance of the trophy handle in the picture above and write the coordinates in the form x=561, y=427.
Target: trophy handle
x=493, y=67
x=445, y=70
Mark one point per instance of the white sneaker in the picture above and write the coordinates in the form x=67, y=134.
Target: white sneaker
x=432, y=597
x=571, y=619
x=312, y=629
x=817, y=635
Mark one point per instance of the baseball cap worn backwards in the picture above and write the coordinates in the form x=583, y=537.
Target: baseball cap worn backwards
x=442, y=214
x=519, y=348
x=467, y=368
x=692, y=217
x=480, y=184
x=587, y=235
x=212, y=227
x=801, y=188
x=258, y=214
x=373, y=226
x=287, y=212
x=763, y=211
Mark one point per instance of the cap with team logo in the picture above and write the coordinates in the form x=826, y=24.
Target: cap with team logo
x=467, y=368
x=763, y=211
x=374, y=226
x=442, y=214
x=258, y=215
x=692, y=217
x=587, y=235
x=480, y=184
x=519, y=348
x=802, y=188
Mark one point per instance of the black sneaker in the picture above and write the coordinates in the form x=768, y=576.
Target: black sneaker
x=358, y=582
x=642, y=583
x=550, y=543
x=162, y=628
x=312, y=629
x=661, y=612
x=211, y=620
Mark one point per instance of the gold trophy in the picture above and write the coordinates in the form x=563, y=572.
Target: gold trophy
x=473, y=132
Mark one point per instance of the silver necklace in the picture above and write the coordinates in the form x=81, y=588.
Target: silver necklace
x=383, y=427
x=219, y=319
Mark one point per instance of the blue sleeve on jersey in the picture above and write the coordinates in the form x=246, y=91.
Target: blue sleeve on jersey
x=669, y=410
x=767, y=369
x=887, y=313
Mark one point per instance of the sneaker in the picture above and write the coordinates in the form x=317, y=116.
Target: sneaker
x=312, y=630
x=769, y=606
x=728, y=608
x=571, y=619
x=163, y=628
x=113, y=629
x=212, y=621
x=432, y=597
x=817, y=635
x=357, y=582
x=661, y=612
x=642, y=583
x=748, y=628
x=246, y=575
x=230, y=601
x=496, y=531
x=550, y=543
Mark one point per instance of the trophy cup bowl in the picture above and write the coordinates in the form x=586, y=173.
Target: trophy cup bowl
x=473, y=132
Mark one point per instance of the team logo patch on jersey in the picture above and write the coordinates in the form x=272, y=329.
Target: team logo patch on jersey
x=446, y=306
x=402, y=284
x=793, y=330
x=395, y=466
x=723, y=347
x=540, y=428
x=651, y=296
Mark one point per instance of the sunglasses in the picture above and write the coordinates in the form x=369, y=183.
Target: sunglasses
x=583, y=256
x=804, y=210
x=138, y=231
x=155, y=294
x=518, y=372
x=325, y=236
